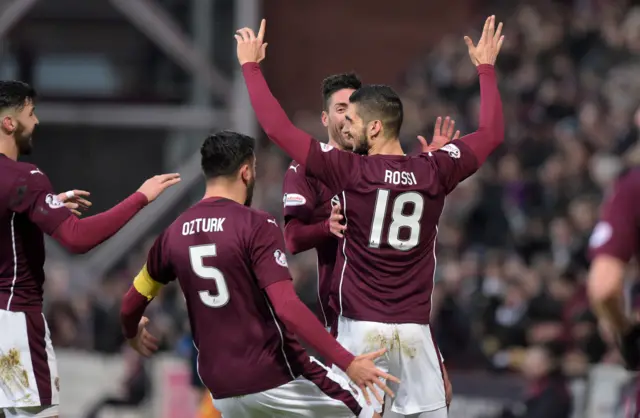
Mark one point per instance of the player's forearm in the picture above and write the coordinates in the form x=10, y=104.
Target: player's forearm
x=605, y=291
x=299, y=320
x=271, y=116
x=300, y=237
x=490, y=133
x=81, y=235
x=131, y=311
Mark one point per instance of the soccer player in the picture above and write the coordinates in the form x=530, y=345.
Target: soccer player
x=28, y=208
x=613, y=243
x=311, y=213
x=230, y=262
x=391, y=203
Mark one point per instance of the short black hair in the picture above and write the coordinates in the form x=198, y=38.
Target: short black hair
x=15, y=94
x=223, y=153
x=379, y=102
x=338, y=82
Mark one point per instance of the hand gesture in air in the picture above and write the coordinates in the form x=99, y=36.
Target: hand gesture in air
x=442, y=135
x=489, y=44
x=335, y=226
x=144, y=343
x=154, y=187
x=364, y=373
x=251, y=47
x=75, y=201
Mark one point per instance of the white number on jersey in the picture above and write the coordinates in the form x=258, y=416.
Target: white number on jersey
x=196, y=255
x=398, y=220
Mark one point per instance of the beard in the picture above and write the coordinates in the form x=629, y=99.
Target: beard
x=339, y=138
x=360, y=144
x=249, y=199
x=23, y=140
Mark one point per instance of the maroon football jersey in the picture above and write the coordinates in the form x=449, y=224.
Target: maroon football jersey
x=28, y=207
x=308, y=200
x=391, y=204
x=224, y=254
x=618, y=231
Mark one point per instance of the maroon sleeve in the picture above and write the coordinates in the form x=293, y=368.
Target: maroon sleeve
x=299, y=197
x=158, y=260
x=267, y=252
x=82, y=235
x=616, y=232
x=302, y=322
x=460, y=159
x=300, y=237
x=131, y=311
x=336, y=169
x=33, y=195
x=271, y=116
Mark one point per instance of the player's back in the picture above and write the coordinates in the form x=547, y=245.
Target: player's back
x=392, y=204
x=212, y=249
x=21, y=241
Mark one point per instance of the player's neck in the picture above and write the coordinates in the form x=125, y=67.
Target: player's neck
x=225, y=191
x=388, y=147
x=9, y=148
x=333, y=143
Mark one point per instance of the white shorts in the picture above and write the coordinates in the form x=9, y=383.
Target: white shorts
x=28, y=370
x=317, y=394
x=32, y=412
x=412, y=357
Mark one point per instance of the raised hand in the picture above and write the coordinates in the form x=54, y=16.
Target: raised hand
x=442, y=135
x=144, y=343
x=335, y=226
x=75, y=201
x=153, y=187
x=251, y=48
x=364, y=373
x=488, y=47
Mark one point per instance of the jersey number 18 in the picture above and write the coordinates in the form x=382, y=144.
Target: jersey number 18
x=399, y=220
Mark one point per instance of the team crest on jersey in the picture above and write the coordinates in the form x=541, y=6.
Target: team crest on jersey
x=600, y=235
x=454, y=151
x=335, y=201
x=281, y=258
x=53, y=201
x=293, y=199
x=325, y=147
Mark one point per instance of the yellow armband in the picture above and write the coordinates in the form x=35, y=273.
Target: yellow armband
x=145, y=285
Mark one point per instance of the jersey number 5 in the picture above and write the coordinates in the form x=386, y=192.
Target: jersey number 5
x=399, y=220
x=197, y=255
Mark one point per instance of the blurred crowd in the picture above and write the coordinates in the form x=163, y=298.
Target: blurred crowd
x=513, y=239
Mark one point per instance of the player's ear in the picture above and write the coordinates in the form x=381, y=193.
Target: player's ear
x=325, y=118
x=374, y=128
x=8, y=124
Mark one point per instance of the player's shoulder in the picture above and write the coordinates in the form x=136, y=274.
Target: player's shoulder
x=261, y=218
x=17, y=168
x=295, y=171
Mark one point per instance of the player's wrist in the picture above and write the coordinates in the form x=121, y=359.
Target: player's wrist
x=485, y=69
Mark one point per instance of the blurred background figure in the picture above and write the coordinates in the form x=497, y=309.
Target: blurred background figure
x=129, y=89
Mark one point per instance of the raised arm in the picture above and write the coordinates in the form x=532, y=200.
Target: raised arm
x=328, y=168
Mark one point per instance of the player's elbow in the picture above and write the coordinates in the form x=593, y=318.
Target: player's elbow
x=72, y=247
x=606, y=279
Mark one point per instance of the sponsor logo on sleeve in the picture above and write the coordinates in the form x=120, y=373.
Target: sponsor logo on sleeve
x=53, y=201
x=36, y=171
x=454, y=151
x=272, y=221
x=293, y=199
x=281, y=258
x=335, y=201
x=294, y=167
x=601, y=234
x=325, y=147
